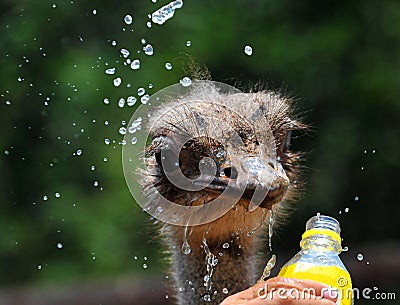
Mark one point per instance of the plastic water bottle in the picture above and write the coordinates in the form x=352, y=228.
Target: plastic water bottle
x=319, y=260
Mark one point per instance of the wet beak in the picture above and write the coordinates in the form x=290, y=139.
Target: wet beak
x=264, y=181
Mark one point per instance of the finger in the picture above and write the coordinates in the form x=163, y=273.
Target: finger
x=313, y=287
x=277, y=283
x=302, y=284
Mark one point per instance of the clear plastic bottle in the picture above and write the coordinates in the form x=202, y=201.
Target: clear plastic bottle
x=319, y=260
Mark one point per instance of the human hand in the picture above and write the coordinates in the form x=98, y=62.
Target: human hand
x=284, y=291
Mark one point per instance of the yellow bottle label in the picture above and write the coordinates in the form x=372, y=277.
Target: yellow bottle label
x=333, y=276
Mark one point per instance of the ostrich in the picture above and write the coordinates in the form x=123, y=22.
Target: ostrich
x=243, y=142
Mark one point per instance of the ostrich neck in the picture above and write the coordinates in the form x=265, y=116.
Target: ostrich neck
x=216, y=266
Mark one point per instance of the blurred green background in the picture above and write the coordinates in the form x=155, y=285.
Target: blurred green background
x=70, y=230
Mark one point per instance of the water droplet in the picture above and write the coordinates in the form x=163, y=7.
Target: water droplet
x=225, y=245
x=135, y=64
x=267, y=270
x=360, y=257
x=131, y=100
x=117, y=81
x=373, y=151
x=134, y=140
x=113, y=43
x=188, y=43
x=125, y=53
x=6, y=152
x=96, y=183
x=57, y=195
x=39, y=267
x=186, y=82
x=168, y=66
x=186, y=249
x=59, y=245
x=78, y=152
x=248, y=50
x=148, y=49
x=207, y=298
x=110, y=71
x=145, y=266
x=356, y=198
x=346, y=210
x=106, y=101
x=94, y=12
x=45, y=197
x=145, y=99
x=225, y=290
x=270, y=229
x=122, y=130
x=105, y=159
x=54, y=5
x=345, y=249
x=128, y=19
x=166, y=12
x=107, y=141
x=141, y=91
x=92, y=167
x=121, y=102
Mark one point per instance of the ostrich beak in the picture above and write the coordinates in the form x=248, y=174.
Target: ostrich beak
x=264, y=181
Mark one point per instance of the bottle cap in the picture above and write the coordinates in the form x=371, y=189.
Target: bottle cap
x=323, y=225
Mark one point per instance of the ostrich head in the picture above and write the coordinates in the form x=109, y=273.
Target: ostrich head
x=222, y=157
x=232, y=147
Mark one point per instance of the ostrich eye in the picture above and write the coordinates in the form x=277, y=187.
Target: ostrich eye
x=167, y=160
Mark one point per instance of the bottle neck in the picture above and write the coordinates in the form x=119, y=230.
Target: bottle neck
x=320, y=242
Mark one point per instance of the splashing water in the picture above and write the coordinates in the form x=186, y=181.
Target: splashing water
x=259, y=225
x=165, y=13
x=186, y=82
x=168, y=66
x=148, y=49
x=248, y=50
x=125, y=53
x=128, y=19
x=186, y=249
x=270, y=229
x=211, y=262
x=135, y=65
x=267, y=270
